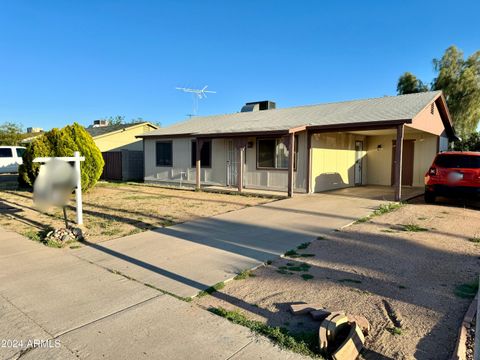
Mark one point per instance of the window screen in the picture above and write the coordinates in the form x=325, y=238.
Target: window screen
x=164, y=153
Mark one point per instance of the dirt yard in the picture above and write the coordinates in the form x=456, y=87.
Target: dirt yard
x=113, y=210
x=416, y=259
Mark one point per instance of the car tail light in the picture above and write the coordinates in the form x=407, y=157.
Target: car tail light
x=432, y=171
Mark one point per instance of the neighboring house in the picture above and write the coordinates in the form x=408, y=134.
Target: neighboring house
x=119, y=137
x=333, y=145
x=121, y=150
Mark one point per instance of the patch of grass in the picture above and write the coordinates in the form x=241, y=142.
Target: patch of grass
x=168, y=222
x=284, y=272
x=388, y=231
x=382, y=209
x=422, y=218
x=112, y=231
x=294, y=254
x=475, y=240
x=40, y=236
x=413, y=228
x=395, y=330
x=347, y=280
x=307, y=277
x=75, y=246
x=301, y=343
x=291, y=253
x=211, y=289
x=303, y=246
x=467, y=291
x=303, y=267
x=321, y=238
x=244, y=275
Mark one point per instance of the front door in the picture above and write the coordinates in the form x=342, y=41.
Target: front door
x=358, y=162
x=231, y=163
x=407, y=162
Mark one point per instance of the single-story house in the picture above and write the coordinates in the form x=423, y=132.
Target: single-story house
x=119, y=137
x=389, y=141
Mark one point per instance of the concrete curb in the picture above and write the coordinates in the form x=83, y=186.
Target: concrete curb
x=460, y=352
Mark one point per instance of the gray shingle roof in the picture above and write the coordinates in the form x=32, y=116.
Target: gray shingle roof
x=388, y=108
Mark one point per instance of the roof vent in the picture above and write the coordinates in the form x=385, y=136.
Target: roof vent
x=100, y=123
x=258, y=106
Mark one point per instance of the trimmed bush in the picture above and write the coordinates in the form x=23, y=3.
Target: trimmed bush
x=63, y=142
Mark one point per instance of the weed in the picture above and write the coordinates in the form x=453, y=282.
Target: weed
x=422, y=218
x=284, y=272
x=302, y=343
x=388, y=231
x=395, y=330
x=244, y=275
x=475, y=240
x=307, y=277
x=413, y=228
x=467, y=291
x=303, y=246
x=269, y=262
x=354, y=281
x=211, y=289
x=402, y=287
x=382, y=209
x=303, y=267
x=321, y=238
x=75, y=246
x=291, y=253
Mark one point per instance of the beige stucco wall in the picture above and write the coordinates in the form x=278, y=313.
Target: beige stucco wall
x=428, y=120
x=379, y=163
x=333, y=160
x=122, y=140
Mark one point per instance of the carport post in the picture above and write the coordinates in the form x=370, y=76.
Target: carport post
x=291, y=157
x=197, y=163
x=398, y=162
x=241, y=157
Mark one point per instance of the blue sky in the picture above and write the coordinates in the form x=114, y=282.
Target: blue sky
x=65, y=61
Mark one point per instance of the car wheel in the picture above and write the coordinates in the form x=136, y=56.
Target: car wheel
x=429, y=197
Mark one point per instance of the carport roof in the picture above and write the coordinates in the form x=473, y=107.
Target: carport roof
x=388, y=109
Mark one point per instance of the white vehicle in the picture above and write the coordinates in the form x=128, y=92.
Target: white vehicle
x=10, y=158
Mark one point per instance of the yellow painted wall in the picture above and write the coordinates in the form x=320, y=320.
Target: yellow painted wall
x=333, y=160
x=122, y=140
x=379, y=163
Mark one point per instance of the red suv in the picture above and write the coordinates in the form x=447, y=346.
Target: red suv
x=453, y=173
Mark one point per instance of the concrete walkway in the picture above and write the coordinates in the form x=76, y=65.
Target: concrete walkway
x=190, y=257
x=48, y=294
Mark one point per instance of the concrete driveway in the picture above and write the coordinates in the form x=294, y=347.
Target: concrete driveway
x=187, y=258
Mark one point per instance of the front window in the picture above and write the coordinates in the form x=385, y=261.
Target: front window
x=272, y=153
x=205, y=154
x=164, y=153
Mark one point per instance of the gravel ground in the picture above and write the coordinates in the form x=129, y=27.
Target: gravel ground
x=367, y=266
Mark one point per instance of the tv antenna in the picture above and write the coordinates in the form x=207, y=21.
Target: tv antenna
x=197, y=94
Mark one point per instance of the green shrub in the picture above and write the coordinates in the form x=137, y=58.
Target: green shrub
x=63, y=142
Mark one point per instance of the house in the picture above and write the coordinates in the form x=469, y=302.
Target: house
x=118, y=137
x=388, y=141
x=122, y=151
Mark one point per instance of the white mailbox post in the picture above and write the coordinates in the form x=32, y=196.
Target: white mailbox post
x=76, y=159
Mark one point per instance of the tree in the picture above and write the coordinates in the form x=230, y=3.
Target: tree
x=10, y=133
x=460, y=81
x=409, y=84
x=63, y=142
x=469, y=143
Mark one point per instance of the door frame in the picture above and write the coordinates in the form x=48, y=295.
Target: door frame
x=358, y=162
